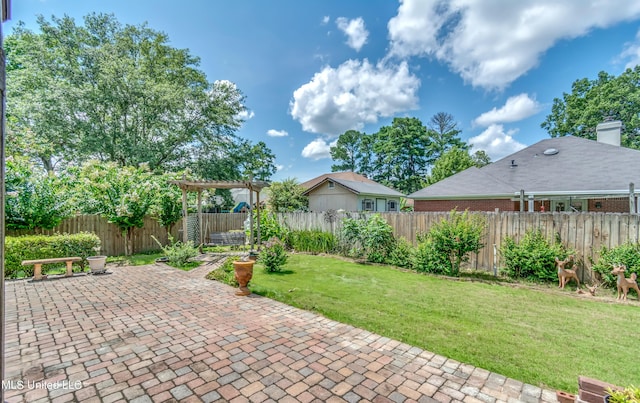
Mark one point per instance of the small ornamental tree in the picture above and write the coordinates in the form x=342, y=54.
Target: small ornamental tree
x=168, y=207
x=122, y=195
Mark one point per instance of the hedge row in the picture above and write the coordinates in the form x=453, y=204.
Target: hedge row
x=32, y=247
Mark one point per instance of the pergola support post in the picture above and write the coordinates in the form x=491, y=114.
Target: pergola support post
x=185, y=235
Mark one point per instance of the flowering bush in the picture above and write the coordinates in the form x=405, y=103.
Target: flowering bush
x=273, y=256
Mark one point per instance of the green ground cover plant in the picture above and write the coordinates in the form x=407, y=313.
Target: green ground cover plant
x=538, y=336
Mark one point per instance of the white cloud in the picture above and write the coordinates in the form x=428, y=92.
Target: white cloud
x=632, y=53
x=352, y=95
x=496, y=142
x=279, y=167
x=318, y=149
x=277, y=133
x=516, y=108
x=355, y=30
x=492, y=43
x=325, y=20
x=246, y=114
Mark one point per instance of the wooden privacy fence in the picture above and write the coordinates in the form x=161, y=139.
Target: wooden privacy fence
x=586, y=233
x=113, y=242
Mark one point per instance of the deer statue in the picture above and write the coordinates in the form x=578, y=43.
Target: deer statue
x=564, y=275
x=625, y=283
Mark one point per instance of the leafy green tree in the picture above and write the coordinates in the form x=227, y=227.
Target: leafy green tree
x=112, y=92
x=444, y=134
x=456, y=160
x=286, y=196
x=347, y=151
x=255, y=160
x=450, y=163
x=168, y=206
x=122, y=195
x=34, y=199
x=481, y=158
x=402, y=154
x=592, y=101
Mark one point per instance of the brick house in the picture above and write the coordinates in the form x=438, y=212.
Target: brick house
x=558, y=174
x=350, y=191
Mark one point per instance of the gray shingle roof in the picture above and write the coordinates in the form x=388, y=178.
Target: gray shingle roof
x=579, y=166
x=367, y=188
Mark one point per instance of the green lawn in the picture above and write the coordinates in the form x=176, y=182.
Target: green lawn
x=539, y=336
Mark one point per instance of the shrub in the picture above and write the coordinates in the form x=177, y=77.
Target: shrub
x=533, y=258
x=627, y=254
x=371, y=238
x=456, y=237
x=269, y=226
x=178, y=253
x=224, y=274
x=401, y=253
x=273, y=256
x=313, y=241
x=32, y=247
x=427, y=258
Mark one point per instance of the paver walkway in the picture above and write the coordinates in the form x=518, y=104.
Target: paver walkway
x=154, y=333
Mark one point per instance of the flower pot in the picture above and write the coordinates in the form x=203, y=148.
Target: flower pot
x=97, y=264
x=243, y=273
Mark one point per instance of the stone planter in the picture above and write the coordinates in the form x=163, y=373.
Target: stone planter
x=97, y=264
x=243, y=272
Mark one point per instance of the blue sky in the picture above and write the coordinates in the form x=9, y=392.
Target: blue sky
x=310, y=70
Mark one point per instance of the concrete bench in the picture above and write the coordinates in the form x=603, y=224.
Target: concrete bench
x=226, y=238
x=37, y=265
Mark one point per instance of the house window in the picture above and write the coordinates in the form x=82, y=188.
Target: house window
x=331, y=185
x=392, y=205
x=368, y=205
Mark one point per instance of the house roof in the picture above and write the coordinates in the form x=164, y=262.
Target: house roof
x=556, y=166
x=354, y=182
x=347, y=175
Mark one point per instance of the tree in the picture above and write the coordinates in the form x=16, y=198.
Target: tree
x=402, y=154
x=114, y=93
x=450, y=163
x=481, y=158
x=347, y=151
x=287, y=196
x=34, y=199
x=443, y=131
x=122, y=195
x=592, y=101
x=255, y=161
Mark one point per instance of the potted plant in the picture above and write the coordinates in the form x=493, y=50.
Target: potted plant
x=243, y=271
x=630, y=394
x=97, y=264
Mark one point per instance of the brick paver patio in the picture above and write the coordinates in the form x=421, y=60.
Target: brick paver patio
x=153, y=333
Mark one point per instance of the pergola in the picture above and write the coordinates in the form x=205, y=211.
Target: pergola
x=198, y=186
